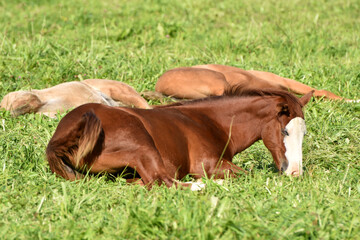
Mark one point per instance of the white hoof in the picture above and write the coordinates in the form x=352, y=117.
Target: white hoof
x=197, y=186
x=219, y=181
x=354, y=101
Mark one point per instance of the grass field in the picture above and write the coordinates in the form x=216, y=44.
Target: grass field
x=46, y=42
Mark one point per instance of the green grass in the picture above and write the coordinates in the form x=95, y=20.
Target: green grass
x=43, y=43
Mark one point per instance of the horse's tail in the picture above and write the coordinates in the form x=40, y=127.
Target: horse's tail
x=68, y=148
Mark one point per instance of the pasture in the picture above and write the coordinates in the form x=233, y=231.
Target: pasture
x=47, y=42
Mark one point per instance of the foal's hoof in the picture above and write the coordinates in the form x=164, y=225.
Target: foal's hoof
x=197, y=186
x=353, y=101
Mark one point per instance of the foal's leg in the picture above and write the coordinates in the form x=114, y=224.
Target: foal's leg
x=294, y=86
x=119, y=92
x=135, y=181
x=146, y=162
x=217, y=172
x=225, y=168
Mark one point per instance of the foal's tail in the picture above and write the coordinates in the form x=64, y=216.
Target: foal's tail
x=71, y=143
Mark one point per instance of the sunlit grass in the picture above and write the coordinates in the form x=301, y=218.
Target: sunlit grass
x=44, y=43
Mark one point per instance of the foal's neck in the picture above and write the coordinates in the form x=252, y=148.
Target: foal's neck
x=243, y=117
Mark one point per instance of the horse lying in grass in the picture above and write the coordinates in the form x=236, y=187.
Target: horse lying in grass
x=169, y=142
x=68, y=95
x=212, y=80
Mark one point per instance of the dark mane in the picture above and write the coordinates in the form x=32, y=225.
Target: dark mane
x=241, y=91
x=182, y=102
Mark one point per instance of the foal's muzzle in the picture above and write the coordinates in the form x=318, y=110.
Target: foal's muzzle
x=296, y=129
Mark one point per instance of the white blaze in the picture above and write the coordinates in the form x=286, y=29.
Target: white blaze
x=296, y=129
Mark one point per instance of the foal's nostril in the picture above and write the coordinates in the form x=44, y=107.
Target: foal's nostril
x=284, y=166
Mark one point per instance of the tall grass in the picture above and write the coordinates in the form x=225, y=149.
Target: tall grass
x=43, y=43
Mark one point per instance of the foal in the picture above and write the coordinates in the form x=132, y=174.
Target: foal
x=212, y=80
x=167, y=143
x=68, y=95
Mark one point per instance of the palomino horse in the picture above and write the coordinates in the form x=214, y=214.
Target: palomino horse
x=68, y=95
x=198, y=137
x=211, y=80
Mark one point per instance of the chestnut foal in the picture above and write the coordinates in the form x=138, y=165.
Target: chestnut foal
x=212, y=80
x=168, y=142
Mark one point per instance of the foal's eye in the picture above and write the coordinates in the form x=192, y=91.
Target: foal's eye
x=284, y=132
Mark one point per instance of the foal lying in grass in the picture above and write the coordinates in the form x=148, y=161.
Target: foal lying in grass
x=169, y=142
x=211, y=80
x=68, y=95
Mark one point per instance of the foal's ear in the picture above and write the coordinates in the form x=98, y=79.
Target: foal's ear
x=283, y=109
x=306, y=98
